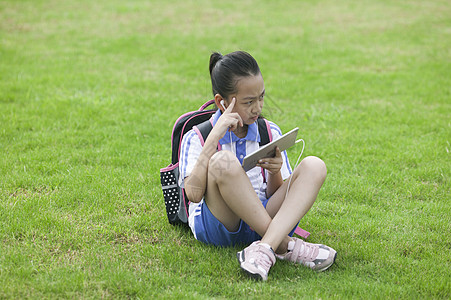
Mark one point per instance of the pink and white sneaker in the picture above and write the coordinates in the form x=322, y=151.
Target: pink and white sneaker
x=256, y=260
x=315, y=256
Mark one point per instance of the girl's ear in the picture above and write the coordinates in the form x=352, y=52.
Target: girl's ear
x=218, y=99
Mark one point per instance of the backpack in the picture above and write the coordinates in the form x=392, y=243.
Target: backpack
x=175, y=198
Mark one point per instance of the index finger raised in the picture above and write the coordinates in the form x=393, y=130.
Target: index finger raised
x=231, y=106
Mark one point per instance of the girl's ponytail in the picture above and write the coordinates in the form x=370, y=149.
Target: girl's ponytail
x=214, y=58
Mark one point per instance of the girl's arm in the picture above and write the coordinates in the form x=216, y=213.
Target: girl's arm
x=273, y=166
x=196, y=182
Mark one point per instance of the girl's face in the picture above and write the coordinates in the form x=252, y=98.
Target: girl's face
x=249, y=98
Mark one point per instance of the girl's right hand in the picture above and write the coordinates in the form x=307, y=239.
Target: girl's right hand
x=228, y=121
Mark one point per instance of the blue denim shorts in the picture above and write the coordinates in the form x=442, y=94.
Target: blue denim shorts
x=209, y=230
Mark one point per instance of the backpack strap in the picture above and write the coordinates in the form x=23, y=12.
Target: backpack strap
x=203, y=130
x=302, y=232
x=206, y=104
x=264, y=131
x=265, y=136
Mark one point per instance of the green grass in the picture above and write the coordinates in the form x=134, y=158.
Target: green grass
x=89, y=91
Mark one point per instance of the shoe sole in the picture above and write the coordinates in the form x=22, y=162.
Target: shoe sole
x=253, y=276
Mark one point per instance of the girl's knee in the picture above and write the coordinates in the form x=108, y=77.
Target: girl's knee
x=223, y=164
x=315, y=167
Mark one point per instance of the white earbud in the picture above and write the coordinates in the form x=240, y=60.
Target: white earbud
x=222, y=104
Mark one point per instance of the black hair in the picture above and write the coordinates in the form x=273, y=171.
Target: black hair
x=225, y=71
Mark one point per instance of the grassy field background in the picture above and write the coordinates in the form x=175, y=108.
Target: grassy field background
x=89, y=91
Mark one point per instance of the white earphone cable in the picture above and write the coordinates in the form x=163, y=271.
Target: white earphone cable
x=295, y=166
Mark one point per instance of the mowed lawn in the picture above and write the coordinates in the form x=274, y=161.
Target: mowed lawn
x=89, y=92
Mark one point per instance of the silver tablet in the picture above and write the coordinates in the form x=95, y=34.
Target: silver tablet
x=269, y=150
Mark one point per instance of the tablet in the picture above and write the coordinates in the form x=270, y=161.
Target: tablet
x=269, y=150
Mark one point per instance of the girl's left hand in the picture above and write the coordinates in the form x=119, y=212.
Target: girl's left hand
x=272, y=164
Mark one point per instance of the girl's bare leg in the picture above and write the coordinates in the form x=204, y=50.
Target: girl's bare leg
x=307, y=180
x=230, y=195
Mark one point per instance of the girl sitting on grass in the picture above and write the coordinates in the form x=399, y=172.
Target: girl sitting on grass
x=231, y=206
